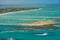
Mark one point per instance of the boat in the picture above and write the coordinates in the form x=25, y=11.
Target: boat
x=44, y=34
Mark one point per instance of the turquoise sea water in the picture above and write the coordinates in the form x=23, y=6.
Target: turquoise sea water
x=30, y=35
x=44, y=14
x=27, y=5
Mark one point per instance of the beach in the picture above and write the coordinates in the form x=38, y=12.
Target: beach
x=20, y=11
x=34, y=21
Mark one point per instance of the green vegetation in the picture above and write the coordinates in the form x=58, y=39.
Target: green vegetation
x=50, y=27
x=5, y=10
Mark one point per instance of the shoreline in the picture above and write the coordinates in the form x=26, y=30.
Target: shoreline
x=20, y=11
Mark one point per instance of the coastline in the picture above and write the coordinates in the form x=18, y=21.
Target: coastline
x=20, y=11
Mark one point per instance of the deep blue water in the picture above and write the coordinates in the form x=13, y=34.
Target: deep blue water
x=27, y=5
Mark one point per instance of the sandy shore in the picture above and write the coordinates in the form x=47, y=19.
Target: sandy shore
x=39, y=23
x=20, y=11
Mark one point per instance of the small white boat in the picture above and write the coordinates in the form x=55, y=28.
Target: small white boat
x=44, y=34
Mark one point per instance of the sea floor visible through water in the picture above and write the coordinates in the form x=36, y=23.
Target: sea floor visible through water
x=47, y=14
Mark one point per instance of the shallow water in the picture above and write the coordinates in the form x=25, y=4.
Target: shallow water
x=45, y=14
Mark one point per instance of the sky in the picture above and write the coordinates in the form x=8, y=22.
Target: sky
x=29, y=1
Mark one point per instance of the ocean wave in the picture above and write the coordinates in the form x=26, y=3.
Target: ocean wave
x=15, y=31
